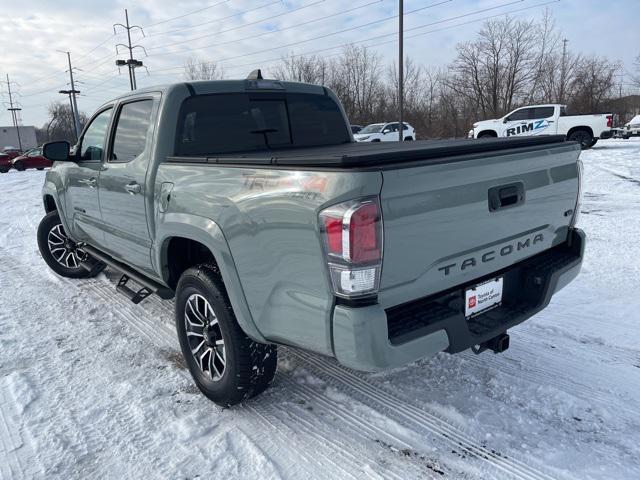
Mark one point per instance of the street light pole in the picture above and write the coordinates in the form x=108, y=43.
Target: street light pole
x=401, y=69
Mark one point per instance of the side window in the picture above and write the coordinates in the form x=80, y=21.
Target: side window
x=522, y=114
x=130, y=138
x=92, y=143
x=543, y=112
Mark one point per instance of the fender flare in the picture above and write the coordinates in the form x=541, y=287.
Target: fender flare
x=49, y=189
x=207, y=232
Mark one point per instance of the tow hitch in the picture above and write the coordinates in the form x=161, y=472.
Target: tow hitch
x=497, y=344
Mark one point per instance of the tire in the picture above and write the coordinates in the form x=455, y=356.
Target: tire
x=408, y=139
x=19, y=166
x=57, y=250
x=4, y=170
x=375, y=140
x=583, y=137
x=593, y=142
x=39, y=168
x=625, y=137
x=486, y=135
x=226, y=365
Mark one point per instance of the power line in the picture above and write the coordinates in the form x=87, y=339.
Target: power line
x=186, y=14
x=394, y=40
x=279, y=30
x=354, y=28
x=215, y=20
x=191, y=39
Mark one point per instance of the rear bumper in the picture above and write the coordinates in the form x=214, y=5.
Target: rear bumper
x=371, y=338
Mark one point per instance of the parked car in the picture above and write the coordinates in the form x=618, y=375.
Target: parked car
x=631, y=128
x=356, y=128
x=12, y=152
x=384, y=132
x=547, y=120
x=31, y=159
x=273, y=228
x=5, y=163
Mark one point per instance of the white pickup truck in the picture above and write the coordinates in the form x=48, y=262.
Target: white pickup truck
x=547, y=120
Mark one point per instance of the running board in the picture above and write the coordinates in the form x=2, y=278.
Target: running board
x=148, y=286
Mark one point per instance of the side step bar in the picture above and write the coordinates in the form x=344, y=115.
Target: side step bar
x=136, y=296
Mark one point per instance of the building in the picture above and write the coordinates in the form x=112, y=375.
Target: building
x=9, y=137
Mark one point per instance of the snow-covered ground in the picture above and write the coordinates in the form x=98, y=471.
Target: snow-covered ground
x=92, y=386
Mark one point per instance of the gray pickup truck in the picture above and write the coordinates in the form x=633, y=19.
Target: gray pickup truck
x=251, y=204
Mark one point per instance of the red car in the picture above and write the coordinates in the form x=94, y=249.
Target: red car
x=5, y=162
x=31, y=159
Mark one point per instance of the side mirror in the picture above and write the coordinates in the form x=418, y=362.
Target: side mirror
x=505, y=120
x=56, y=151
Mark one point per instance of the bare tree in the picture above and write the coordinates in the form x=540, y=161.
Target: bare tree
x=357, y=80
x=510, y=63
x=307, y=69
x=495, y=70
x=592, y=83
x=195, y=69
x=60, y=125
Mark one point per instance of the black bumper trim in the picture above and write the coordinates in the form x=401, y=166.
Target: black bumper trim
x=528, y=288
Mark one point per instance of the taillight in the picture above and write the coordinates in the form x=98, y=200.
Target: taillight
x=609, y=121
x=352, y=236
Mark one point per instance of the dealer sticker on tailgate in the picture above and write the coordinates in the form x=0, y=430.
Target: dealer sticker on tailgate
x=483, y=297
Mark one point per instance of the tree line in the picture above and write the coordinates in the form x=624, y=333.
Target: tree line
x=508, y=64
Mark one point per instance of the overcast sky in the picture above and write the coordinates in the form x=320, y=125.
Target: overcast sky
x=247, y=34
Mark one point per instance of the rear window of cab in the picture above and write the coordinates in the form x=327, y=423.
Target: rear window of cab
x=247, y=122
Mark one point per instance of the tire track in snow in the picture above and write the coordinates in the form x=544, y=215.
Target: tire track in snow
x=456, y=437
x=267, y=413
x=17, y=449
x=414, y=418
x=530, y=369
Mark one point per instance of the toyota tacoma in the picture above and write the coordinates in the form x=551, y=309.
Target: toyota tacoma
x=250, y=203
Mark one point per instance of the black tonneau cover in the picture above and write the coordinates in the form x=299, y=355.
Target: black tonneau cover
x=360, y=154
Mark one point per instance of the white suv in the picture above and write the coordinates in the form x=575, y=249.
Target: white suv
x=384, y=132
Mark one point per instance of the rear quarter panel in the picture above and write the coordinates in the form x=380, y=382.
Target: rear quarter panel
x=268, y=218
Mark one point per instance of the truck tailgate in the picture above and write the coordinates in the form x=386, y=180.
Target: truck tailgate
x=449, y=223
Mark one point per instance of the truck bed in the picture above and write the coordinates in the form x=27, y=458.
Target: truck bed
x=380, y=154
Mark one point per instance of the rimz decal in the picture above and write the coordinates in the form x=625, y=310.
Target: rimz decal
x=535, y=127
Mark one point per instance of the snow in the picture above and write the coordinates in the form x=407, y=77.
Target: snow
x=92, y=386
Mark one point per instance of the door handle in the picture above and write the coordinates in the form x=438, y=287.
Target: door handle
x=133, y=188
x=89, y=182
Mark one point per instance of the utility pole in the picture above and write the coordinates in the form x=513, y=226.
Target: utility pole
x=563, y=69
x=401, y=69
x=131, y=63
x=621, y=80
x=72, y=95
x=14, y=112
